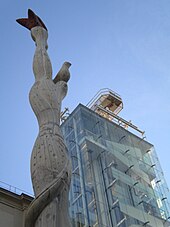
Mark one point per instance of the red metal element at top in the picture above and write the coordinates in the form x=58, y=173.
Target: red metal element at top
x=32, y=21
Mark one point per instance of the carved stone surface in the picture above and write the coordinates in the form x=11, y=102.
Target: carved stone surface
x=50, y=166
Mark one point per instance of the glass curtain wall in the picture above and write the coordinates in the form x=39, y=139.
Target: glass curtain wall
x=116, y=176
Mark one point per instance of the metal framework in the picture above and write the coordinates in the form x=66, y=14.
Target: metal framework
x=108, y=104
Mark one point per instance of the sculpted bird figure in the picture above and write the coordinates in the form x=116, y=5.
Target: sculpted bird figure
x=63, y=74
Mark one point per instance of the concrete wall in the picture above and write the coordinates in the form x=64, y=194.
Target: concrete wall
x=13, y=208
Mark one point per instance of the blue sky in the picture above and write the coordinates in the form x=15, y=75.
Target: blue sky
x=120, y=44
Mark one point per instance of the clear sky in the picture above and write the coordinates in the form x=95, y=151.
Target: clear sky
x=120, y=44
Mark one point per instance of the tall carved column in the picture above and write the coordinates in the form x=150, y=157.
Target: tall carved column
x=50, y=166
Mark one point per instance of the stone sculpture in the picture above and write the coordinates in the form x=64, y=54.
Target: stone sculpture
x=50, y=165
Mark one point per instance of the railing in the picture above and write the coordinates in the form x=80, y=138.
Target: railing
x=121, y=120
x=14, y=189
x=104, y=91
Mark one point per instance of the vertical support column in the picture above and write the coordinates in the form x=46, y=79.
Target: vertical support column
x=82, y=183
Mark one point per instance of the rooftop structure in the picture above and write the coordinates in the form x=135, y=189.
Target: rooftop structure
x=108, y=100
x=108, y=104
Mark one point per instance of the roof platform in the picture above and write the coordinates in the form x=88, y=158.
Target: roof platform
x=106, y=99
x=108, y=104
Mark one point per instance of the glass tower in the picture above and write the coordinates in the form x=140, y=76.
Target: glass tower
x=117, y=180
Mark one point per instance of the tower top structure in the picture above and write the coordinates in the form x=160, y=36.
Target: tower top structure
x=108, y=104
x=106, y=99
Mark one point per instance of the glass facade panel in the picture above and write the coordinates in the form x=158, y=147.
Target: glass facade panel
x=116, y=176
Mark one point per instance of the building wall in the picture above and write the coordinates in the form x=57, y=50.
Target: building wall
x=13, y=208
